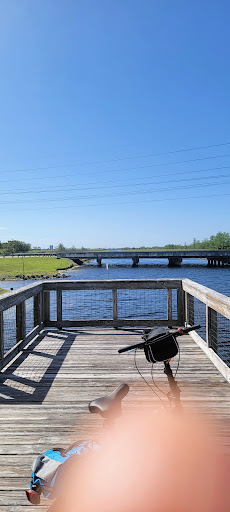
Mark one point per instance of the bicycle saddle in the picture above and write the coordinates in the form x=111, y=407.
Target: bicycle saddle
x=110, y=405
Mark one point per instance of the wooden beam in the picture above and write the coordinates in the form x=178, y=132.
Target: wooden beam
x=118, y=284
x=180, y=307
x=59, y=308
x=17, y=296
x=20, y=321
x=114, y=304
x=219, y=364
x=214, y=300
x=169, y=305
x=138, y=322
x=46, y=307
x=211, y=328
x=37, y=309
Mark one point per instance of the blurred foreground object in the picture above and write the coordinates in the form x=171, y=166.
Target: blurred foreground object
x=152, y=463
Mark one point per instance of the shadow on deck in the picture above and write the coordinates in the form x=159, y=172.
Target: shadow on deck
x=29, y=378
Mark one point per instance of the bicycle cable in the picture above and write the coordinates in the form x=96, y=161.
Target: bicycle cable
x=146, y=382
x=178, y=362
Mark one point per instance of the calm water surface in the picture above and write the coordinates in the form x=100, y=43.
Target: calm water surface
x=217, y=278
x=131, y=304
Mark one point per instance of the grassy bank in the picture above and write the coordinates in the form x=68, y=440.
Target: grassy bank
x=2, y=291
x=34, y=267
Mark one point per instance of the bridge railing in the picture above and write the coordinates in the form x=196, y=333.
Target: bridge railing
x=109, y=303
x=21, y=318
x=212, y=310
x=116, y=303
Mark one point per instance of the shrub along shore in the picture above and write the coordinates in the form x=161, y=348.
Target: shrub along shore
x=35, y=267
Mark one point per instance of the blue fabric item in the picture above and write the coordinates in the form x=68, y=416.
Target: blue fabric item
x=64, y=458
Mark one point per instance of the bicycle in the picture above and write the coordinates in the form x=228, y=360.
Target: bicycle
x=159, y=345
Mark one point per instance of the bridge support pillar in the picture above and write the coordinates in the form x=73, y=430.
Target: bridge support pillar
x=175, y=261
x=99, y=262
x=135, y=261
x=209, y=263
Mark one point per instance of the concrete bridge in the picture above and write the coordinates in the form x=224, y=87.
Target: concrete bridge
x=219, y=257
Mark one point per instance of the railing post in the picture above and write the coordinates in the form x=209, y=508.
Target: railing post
x=169, y=305
x=1, y=336
x=59, y=308
x=37, y=309
x=114, y=304
x=211, y=328
x=20, y=321
x=189, y=309
x=180, y=306
x=46, y=307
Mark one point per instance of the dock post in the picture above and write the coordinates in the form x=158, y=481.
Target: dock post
x=211, y=328
x=37, y=309
x=59, y=308
x=169, y=307
x=20, y=321
x=180, y=306
x=46, y=307
x=114, y=306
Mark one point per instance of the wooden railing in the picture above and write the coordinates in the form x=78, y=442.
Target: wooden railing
x=48, y=308
x=215, y=321
x=115, y=303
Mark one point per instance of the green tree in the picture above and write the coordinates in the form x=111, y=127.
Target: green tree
x=60, y=248
x=13, y=246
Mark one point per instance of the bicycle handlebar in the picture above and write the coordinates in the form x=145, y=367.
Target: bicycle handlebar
x=176, y=332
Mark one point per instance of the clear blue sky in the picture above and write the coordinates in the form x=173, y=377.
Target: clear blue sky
x=91, y=92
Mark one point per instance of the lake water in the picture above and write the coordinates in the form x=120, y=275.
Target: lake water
x=217, y=278
x=132, y=304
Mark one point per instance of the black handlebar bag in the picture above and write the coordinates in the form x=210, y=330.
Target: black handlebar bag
x=160, y=346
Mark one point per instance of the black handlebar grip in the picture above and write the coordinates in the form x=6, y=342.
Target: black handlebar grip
x=191, y=328
x=131, y=347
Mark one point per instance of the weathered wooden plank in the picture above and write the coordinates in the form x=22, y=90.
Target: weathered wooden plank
x=220, y=365
x=20, y=321
x=214, y=300
x=59, y=308
x=15, y=297
x=180, y=306
x=46, y=308
x=114, y=304
x=169, y=305
x=84, y=364
x=110, y=284
x=113, y=323
x=211, y=328
x=37, y=309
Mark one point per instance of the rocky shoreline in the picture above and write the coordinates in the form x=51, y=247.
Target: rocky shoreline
x=57, y=275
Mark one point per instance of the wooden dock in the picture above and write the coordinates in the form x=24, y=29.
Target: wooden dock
x=44, y=396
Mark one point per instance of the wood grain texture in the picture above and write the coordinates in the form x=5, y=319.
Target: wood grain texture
x=44, y=396
x=214, y=300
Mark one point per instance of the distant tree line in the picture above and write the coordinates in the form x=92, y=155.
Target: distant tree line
x=13, y=246
x=219, y=241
